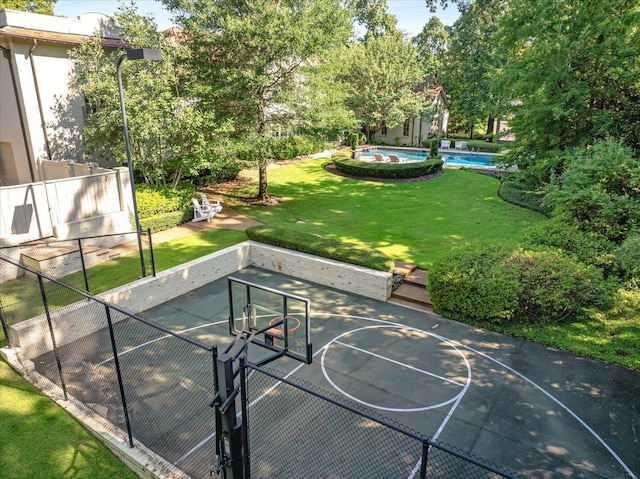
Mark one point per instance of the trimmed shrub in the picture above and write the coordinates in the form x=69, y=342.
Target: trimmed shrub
x=164, y=221
x=523, y=286
x=472, y=145
x=466, y=285
x=433, y=150
x=327, y=248
x=156, y=199
x=553, y=286
x=364, y=169
x=293, y=146
x=522, y=194
x=588, y=247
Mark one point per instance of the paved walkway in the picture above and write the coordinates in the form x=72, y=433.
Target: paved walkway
x=227, y=218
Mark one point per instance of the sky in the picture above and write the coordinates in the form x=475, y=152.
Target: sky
x=411, y=14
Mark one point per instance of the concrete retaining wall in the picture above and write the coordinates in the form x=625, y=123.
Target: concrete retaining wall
x=83, y=318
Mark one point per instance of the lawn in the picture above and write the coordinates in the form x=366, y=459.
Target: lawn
x=39, y=439
x=413, y=221
x=416, y=222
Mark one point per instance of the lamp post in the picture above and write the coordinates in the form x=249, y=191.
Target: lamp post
x=134, y=54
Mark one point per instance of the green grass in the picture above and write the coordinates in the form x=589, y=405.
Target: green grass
x=42, y=440
x=417, y=222
x=110, y=274
x=39, y=439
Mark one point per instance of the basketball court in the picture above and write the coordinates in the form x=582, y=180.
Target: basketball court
x=536, y=411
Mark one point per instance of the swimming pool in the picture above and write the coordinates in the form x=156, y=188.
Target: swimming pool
x=450, y=158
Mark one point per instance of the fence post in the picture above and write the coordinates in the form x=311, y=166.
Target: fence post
x=231, y=440
x=53, y=336
x=246, y=458
x=423, y=462
x=153, y=260
x=116, y=361
x=5, y=324
x=84, y=268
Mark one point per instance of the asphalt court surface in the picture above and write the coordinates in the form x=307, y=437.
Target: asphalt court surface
x=536, y=411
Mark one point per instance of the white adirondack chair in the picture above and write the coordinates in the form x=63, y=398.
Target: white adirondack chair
x=214, y=205
x=201, y=212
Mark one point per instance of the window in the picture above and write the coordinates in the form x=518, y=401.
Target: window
x=384, y=130
x=405, y=128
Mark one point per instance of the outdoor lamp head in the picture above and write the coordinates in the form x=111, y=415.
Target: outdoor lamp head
x=144, y=54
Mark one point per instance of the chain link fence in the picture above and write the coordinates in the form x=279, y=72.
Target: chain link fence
x=153, y=388
x=142, y=382
x=297, y=430
x=92, y=264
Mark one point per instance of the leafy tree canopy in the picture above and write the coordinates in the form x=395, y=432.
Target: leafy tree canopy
x=373, y=15
x=431, y=45
x=168, y=136
x=382, y=75
x=572, y=72
x=44, y=7
x=472, y=61
x=247, y=56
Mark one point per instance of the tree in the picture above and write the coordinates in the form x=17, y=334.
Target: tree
x=247, y=56
x=431, y=45
x=44, y=7
x=383, y=75
x=573, y=69
x=471, y=61
x=168, y=136
x=373, y=15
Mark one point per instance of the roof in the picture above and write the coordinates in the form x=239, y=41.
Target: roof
x=56, y=37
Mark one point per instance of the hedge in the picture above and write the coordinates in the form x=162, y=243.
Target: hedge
x=363, y=169
x=157, y=199
x=523, y=195
x=519, y=285
x=164, y=221
x=325, y=247
x=472, y=145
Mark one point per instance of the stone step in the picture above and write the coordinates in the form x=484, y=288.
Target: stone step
x=417, y=277
x=411, y=304
x=403, y=268
x=412, y=293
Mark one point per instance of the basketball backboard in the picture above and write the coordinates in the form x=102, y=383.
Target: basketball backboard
x=279, y=321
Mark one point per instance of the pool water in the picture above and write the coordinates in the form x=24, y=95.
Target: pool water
x=452, y=158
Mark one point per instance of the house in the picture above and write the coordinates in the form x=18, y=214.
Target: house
x=38, y=123
x=47, y=185
x=413, y=131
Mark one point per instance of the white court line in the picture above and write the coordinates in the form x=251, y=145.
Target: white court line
x=383, y=408
x=538, y=387
x=457, y=401
x=166, y=336
x=559, y=403
x=404, y=365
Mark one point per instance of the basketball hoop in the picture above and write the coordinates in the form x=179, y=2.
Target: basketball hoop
x=277, y=332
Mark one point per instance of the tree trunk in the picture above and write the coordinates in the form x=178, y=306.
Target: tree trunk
x=263, y=188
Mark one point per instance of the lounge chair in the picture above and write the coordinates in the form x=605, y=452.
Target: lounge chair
x=380, y=158
x=201, y=212
x=397, y=159
x=214, y=205
x=445, y=144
